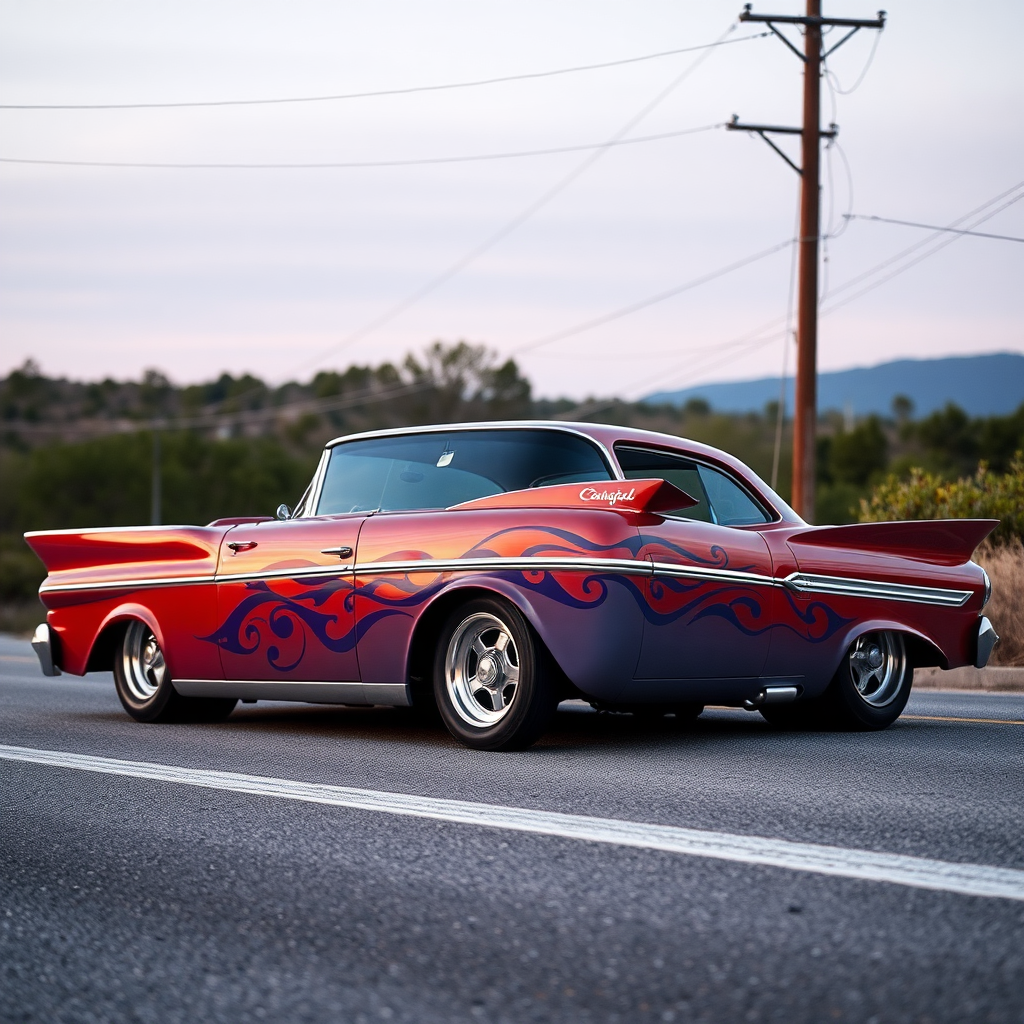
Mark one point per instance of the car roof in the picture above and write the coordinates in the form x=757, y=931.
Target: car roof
x=607, y=436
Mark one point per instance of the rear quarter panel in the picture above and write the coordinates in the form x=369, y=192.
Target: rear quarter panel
x=162, y=575
x=838, y=620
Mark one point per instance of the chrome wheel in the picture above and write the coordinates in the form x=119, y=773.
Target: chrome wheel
x=878, y=664
x=143, y=662
x=482, y=670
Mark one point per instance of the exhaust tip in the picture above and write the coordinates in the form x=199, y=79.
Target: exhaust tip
x=772, y=695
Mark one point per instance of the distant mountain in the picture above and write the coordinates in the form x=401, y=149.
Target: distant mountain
x=986, y=385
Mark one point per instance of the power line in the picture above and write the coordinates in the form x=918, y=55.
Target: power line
x=925, y=241
x=517, y=221
x=379, y=92
x=668, y=375
x=652, y=300
x=860, y=78
x=418, y=162
x=932, y=227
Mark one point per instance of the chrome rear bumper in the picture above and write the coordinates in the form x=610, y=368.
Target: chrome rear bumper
x=44, y=644
x=987, y=639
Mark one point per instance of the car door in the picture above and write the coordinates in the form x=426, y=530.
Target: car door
x=285, y=604
x=710, y=597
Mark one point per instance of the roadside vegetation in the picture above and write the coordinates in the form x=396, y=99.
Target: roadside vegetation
x=984, y=495
x=82, y=453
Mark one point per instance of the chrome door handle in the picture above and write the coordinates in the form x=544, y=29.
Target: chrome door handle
x=342, y=552
x=242, y=545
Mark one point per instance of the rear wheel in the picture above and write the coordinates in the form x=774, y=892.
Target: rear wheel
x=492, y=684
x=872, y=686
x=144, y=685
x=869, y=690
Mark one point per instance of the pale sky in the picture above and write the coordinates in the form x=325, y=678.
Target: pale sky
x=108, y=271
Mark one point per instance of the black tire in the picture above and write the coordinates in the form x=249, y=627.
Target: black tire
x=144, y=685
x=872, y=684
x=492, y=682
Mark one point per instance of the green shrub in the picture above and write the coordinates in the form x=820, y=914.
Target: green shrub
x=986, y=495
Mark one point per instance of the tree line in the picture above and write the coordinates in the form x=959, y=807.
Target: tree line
x=75, y=454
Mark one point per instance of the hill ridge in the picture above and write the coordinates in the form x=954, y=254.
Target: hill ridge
x=991, y=384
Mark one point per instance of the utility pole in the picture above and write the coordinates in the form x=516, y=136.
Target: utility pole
x=155, y=512
x=805, y=414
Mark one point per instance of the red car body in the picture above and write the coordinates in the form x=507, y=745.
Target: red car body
x=636, y=602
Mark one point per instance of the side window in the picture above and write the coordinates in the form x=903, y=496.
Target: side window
x=639, y=463
x=731, y=504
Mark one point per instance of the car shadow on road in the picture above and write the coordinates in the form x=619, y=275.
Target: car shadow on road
x=574, y=726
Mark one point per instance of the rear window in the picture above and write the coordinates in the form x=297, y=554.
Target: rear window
x=423, y=471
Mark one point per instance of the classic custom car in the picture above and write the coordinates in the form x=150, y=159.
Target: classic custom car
x=490, y=570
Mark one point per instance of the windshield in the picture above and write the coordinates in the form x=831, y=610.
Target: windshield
x=438, y=470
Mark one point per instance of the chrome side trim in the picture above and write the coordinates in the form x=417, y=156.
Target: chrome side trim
x=294, y=573
x=619, y=566
x=699, y=572
x=304, y=691
x=850, y=587
x=151, y=581
x=797, y=581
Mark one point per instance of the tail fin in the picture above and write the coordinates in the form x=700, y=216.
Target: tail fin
x=939, y=541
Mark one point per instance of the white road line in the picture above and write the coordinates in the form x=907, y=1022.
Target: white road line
x=943, y=876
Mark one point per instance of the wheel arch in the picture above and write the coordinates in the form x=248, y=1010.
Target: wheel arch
x=922, y=651
x=420, y=658
x=111, y=632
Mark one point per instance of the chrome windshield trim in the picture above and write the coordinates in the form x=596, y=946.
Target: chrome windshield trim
x=851, y=587
x=316, y=485
x=442, y=428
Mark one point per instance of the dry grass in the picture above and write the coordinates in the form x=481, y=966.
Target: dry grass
x=1005, y=566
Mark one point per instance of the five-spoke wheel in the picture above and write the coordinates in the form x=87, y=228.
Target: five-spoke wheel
x=482, y=670
x=491, y=681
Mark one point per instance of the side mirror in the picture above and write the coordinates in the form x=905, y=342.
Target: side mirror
x=283, y=512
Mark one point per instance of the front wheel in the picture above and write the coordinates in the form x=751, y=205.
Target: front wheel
x=144, y=685
x=491, y=681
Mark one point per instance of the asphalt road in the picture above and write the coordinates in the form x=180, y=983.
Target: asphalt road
x=129, y=899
